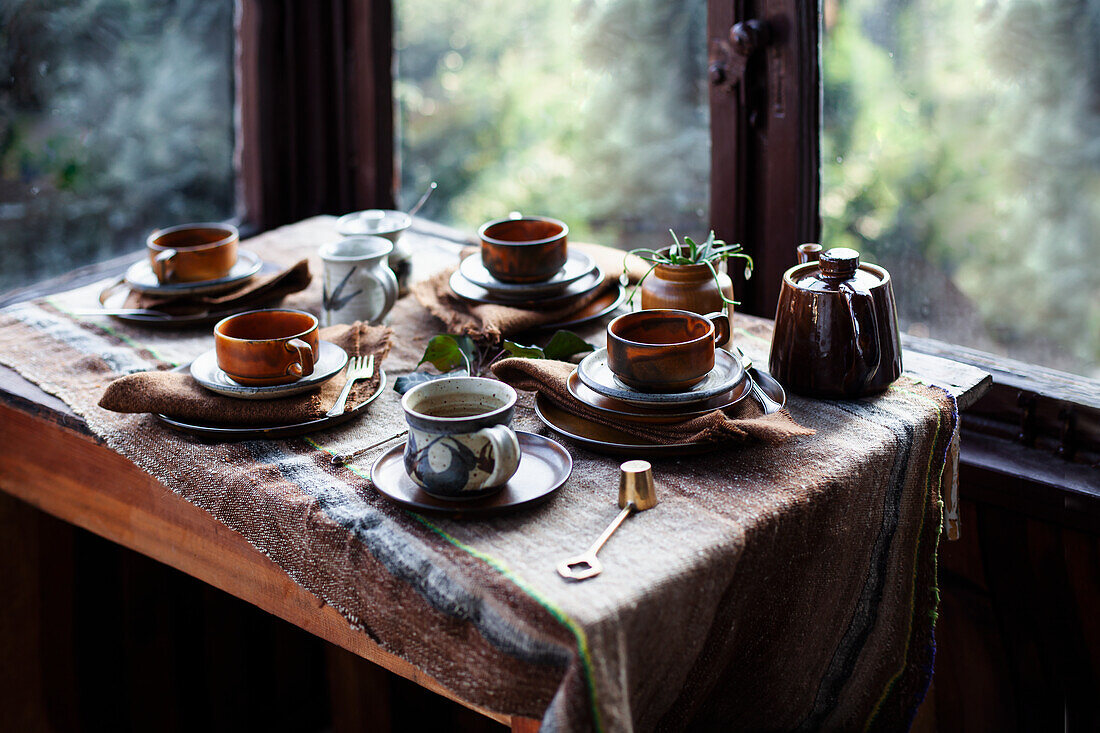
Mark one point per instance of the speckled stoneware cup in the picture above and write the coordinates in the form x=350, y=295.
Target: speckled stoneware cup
x=460, y=444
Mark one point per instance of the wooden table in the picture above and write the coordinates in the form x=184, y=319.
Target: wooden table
x=98, y=490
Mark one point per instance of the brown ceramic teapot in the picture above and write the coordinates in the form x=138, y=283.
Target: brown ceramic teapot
x=836, y=326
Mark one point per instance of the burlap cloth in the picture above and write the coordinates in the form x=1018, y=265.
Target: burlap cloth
x=179, y=396
x=773, y=587
x=745, y=423
x=488, y=322
x=256, y=292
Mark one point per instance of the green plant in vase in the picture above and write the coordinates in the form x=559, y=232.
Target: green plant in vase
x=685, y=275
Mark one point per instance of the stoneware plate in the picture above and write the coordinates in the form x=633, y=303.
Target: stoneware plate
x=577, y=266
x=597, y=376
x=604, y=439
x=140, y=277
x=206, y=372
x=654, y=414
x=224, y=433
x=602, y=306
x=544, y=467
x=463, y=288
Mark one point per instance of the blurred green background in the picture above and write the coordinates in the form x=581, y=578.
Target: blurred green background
x=961, y=141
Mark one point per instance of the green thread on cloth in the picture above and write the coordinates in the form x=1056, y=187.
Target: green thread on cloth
x=120, y=336
x=557, y=613
x=503, y=569
x=935, y=559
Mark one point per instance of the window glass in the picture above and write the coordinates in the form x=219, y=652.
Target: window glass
x=593, y=112
x=116, y=117
x=961, y=150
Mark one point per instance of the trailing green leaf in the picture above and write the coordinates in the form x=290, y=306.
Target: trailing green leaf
x=565, y=344
x=447, y=353
x=526, y=352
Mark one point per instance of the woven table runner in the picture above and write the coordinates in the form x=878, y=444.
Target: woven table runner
x=785, y=587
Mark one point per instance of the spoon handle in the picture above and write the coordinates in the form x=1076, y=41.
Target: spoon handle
x=416, y=207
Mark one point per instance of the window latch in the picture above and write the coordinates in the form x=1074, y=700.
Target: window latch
x=730, y=58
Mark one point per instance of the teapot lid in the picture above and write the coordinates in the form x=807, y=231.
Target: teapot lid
x=837, y=266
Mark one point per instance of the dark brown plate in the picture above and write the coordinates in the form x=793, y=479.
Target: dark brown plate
x=602, y=306
x=656, y=414
x=543, y=469
x=114, y=296
x=227, y=433
x=605, y=439
x=467, y=290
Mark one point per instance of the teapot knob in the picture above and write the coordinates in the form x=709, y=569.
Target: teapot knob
x=839, y=263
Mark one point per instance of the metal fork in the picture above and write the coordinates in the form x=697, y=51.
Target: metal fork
x=359, y=367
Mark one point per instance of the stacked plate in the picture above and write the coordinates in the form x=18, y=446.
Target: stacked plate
x=579, y=277
x=594, y=384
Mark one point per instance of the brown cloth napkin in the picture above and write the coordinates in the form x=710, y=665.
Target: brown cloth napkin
x=178, y=395
x=253, y=293
x=494, y=322
x=745, y=422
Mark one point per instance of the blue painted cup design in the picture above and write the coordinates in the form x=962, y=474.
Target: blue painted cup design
x=460, y=444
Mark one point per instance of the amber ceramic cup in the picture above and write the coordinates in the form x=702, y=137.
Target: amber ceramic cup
x=664, y=350
x=267, y=347
x=526, y=249
x=193, y=252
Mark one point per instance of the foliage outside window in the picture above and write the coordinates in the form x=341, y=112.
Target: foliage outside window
x=116, y=117
x=961, y=149
x=592, y=112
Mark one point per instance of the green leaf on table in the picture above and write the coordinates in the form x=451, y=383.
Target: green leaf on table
x=564, y=344
x=525, y=352
x=403, y=384
x=447, y=353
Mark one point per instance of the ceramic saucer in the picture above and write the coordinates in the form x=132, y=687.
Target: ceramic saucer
x=288, y=430
x=140, y=277
x=656, y=414
x=543, y=468
x=330, y=360
x=576, y=266
x=595, y=373
x=463, y=288
x=602, y=306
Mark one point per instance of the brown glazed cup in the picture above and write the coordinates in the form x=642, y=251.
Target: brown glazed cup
x=193, y=252
x=664, y=350
x=526, y=249
x=267, y=347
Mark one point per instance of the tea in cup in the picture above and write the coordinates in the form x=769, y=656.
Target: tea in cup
x=460, y=441
x=193, y=252
x=267, y=347
x=524, y=249
x=664, y=350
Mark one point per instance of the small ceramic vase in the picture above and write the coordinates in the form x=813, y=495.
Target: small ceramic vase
x=358, y=285
x=387, y=223
x=687, y=288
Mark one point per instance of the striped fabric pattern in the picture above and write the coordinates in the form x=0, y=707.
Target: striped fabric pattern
x=788, y=587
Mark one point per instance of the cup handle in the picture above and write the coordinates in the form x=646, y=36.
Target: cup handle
x=721, y=327
x=505, y=451
x=861, y=308
x=162, y=265
x=388, y=281
x=304, y=366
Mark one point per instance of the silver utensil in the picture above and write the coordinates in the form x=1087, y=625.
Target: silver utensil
x=416, y=207
x=358, y=368
x=342, y=459
x=637, y=492
x=135, y=312
x=754, y=376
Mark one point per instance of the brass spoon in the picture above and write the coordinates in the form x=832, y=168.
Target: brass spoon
x=637, y=492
